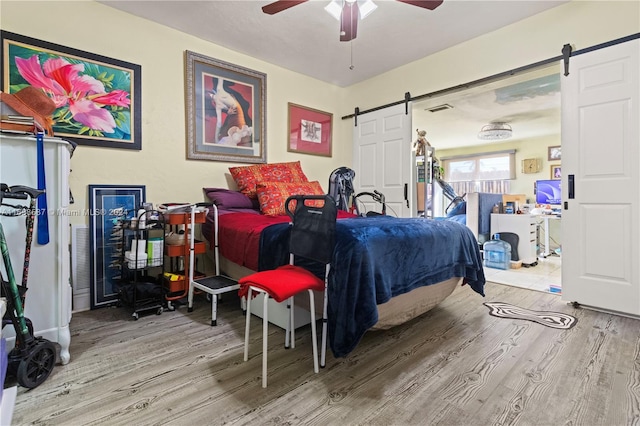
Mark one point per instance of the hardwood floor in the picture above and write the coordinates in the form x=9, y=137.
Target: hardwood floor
x=456, y=365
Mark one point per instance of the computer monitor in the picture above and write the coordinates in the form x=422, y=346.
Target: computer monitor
x=548, y=191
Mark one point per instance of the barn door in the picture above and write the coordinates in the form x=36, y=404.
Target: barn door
x=600, y=183
x=382, y=159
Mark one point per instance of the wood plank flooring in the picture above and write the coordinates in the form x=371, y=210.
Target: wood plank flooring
x=456, y=365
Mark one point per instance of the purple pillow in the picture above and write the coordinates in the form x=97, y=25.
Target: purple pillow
x=230, y=199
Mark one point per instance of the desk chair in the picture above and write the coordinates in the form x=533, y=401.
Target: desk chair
x=312, y=238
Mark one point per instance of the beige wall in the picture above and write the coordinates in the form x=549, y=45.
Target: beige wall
x=161, y=164
x=580, y=23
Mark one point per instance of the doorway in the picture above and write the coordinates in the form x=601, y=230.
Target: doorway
x=528, y=103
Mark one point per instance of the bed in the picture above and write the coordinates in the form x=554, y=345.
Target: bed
x=385, y=271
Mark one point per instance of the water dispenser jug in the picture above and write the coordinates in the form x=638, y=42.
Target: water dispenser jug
x=497, y=253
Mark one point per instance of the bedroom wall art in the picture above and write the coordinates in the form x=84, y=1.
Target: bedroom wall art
x=226, y=111
x=309, y=130
x=109, y=205
x=98, y=100
x=555, y=153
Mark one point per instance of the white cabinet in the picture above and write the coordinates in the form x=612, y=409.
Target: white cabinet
x=525, y=226
x=7, y=396
x=48, y=299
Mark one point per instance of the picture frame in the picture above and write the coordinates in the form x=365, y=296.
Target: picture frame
x=107, y=92
x=108, y=206
x=555, y=153
x=310, y=130
x=226, y=111
x=556, y=171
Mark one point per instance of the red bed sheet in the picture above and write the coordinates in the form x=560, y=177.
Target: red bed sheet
x=239, y=235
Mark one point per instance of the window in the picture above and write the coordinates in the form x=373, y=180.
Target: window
x=478, y=167
x=485, y=172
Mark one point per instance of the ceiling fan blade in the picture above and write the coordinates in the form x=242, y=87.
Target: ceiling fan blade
x=279, y=6
x=349, y=21
x=426, y=4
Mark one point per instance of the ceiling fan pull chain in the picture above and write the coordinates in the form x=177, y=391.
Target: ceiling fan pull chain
x=351, y=67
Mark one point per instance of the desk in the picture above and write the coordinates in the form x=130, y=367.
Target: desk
x=525, y=226
x=546, y=218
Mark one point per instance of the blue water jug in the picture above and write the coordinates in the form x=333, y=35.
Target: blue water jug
x=497, y=253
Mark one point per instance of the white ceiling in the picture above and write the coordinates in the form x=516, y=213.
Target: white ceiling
x=528, y=102
x=305, y=38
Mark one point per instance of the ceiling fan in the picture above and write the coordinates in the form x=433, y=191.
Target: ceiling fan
x=348, y=15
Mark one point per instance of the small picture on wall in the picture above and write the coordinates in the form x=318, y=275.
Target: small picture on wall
x=555, y=153
x=309, y=130
x=556, y=171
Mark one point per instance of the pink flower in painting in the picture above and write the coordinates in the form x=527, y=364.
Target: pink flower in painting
x=116, y=97
x=65, y=85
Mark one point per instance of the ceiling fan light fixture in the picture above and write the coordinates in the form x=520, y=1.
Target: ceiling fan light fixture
x=495, y=132
x=334, y=8
x=366, y=8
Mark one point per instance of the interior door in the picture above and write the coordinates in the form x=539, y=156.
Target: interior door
x=600, y=139
x=382, y=160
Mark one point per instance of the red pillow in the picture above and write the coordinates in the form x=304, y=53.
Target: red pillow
x=272, y=195
x=246, y=177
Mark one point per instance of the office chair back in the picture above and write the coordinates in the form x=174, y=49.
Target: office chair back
x=313, y=226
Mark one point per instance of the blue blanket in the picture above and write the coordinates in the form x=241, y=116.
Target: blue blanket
x=377, y=258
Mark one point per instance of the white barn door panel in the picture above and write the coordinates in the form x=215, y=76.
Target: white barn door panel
x=382, y=159
x=600, y=140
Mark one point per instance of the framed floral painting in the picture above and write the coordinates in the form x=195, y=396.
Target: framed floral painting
x=97, y=98
x=226, y=107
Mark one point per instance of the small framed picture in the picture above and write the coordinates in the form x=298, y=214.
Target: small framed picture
x=556, y=171
x=309, y=130
x=555, y=153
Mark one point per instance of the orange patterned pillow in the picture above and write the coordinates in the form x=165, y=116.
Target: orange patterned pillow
x=246, y=177
x=272, y=195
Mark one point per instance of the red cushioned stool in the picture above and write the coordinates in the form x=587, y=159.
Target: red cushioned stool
x=313, y=238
